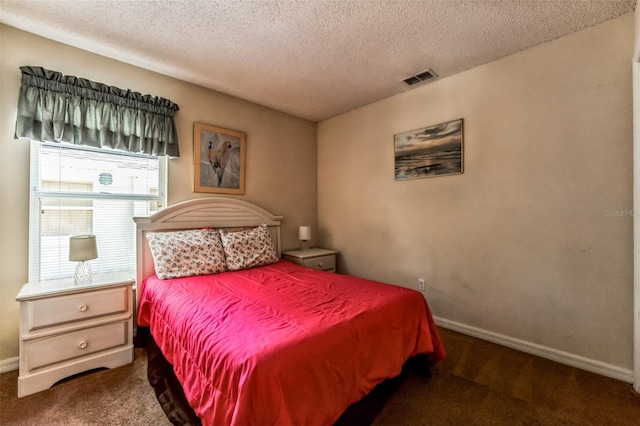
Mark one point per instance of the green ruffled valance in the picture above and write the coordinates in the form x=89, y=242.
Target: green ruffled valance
x=59, y=108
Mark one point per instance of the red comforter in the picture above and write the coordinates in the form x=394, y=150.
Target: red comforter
x=283, y=344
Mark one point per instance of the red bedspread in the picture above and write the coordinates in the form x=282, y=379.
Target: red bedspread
x=283, y=344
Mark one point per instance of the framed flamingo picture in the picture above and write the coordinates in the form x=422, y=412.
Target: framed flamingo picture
x=219, y=159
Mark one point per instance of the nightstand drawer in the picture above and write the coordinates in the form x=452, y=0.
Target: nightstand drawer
x=323, y=263
x=315, y=258
x=77, y=307
x=68, y=327
x=63, y=347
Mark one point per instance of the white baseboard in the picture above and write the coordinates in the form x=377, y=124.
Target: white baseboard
x=10, y=364
x=566, y=358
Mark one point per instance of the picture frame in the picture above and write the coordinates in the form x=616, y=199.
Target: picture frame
x=436, y=150
x=219, y=159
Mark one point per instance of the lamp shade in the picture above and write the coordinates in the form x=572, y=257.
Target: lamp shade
x=304, y=233
x=82, y=247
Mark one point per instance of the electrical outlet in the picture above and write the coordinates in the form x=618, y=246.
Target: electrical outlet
x=422, y=286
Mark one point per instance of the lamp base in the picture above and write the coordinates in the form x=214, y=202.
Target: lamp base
x=304, y=246
x=83, y=272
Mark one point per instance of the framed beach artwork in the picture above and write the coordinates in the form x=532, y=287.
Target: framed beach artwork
x=219, y=159
x=430, y=151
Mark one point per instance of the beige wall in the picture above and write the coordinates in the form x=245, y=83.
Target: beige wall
x=637, y=33
x=281, y=152
x=527, y=243
x=636, y=188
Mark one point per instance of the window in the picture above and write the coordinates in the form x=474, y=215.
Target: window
x=79, y=190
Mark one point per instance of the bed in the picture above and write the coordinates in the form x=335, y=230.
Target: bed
x=272, y=343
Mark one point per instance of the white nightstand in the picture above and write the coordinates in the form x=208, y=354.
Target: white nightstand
x=316, y=258
x=68, y=328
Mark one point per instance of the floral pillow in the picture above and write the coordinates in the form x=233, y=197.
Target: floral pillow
x=179, y=254
x=246, y=249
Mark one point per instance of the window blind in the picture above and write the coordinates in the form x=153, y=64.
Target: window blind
x=78, y=190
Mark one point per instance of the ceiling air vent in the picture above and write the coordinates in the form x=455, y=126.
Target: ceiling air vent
x=420, y=77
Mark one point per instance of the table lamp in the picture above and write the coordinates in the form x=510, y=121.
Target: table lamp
x=304, y=235
x=82, y=248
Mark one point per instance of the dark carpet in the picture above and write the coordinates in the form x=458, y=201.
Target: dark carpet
x=480, y=383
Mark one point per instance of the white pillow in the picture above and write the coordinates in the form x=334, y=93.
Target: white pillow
x=246, y=249
x=179, y=254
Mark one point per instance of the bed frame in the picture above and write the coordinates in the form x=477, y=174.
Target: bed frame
x=215, y=212
x=230, y=214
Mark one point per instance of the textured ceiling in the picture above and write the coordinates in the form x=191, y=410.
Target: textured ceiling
x=311, y=58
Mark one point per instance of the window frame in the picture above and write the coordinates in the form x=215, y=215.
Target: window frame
x=36, y=194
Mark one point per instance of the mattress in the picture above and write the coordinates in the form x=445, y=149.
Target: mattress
x=283, y=344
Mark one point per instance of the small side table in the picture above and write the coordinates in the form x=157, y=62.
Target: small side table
x=67, y=328
x=316, y=258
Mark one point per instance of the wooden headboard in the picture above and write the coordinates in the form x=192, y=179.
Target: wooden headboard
x=214, y=212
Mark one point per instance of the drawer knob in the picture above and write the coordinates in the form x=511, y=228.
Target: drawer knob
x=82, y=344
x=320, y=264
x=82, y=308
